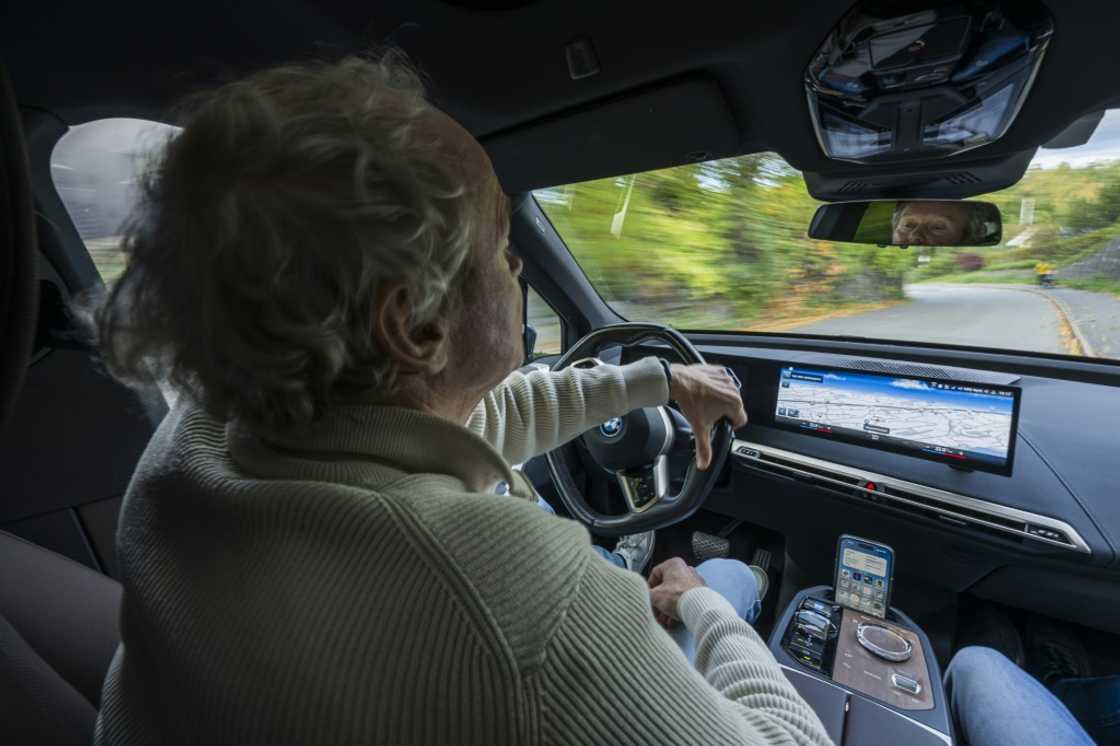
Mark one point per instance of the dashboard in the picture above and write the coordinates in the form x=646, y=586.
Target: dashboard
x=988, y=482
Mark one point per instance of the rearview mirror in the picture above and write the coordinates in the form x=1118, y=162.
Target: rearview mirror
x=909, y=223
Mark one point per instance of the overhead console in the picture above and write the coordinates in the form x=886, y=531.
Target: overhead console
x=898, y=83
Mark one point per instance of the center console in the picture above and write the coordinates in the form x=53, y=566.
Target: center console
x=870, y=680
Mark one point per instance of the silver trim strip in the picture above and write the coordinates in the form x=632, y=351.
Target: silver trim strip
x=947, y=499
x=943, y=736
x=670, y=434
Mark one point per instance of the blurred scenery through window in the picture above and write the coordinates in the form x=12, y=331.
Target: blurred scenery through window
x=96, y=168
x=722, y=246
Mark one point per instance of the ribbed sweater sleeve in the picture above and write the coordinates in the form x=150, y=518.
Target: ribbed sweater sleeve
x=738, y=663
x=531, y=413
x=613, y=676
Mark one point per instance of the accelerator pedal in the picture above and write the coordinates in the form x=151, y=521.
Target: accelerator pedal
x=707, y=546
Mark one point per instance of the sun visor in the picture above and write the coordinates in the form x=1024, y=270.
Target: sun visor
x=685, y=121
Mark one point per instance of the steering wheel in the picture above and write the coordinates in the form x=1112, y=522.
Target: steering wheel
x=636, y=446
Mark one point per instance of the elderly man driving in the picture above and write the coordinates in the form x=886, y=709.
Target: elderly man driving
x=316, y=546
x=933, y=223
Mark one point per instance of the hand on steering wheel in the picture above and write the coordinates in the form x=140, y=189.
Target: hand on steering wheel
x=635, y=448
x=706, y=394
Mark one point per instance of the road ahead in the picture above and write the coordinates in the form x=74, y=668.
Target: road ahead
x=987, y=316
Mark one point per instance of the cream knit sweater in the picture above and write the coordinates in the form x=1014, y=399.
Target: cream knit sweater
x=360, y=582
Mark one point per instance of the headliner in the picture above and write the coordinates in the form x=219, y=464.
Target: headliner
x=501, y=71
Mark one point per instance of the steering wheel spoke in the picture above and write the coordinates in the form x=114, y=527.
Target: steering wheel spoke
x=645, y=487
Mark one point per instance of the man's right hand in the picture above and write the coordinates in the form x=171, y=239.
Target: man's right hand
x=667, y=583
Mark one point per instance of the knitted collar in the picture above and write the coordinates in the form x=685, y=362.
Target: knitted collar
x=370, y=446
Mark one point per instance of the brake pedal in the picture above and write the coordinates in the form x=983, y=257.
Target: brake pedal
x=706, y=546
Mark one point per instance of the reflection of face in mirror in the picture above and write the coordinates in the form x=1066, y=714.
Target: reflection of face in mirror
x=933, y=224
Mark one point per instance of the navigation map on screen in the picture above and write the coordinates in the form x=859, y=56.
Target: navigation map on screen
x=953, y=422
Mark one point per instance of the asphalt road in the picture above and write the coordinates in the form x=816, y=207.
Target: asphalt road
x=980, y=316
x=1097, y=316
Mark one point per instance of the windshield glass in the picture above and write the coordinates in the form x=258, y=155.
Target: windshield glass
x=722, y=246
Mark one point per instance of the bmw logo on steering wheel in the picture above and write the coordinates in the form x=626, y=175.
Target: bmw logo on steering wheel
x=612, y=428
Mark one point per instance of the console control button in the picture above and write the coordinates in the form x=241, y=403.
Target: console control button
x=908, y=684
x=813, y=624
x=818, y=606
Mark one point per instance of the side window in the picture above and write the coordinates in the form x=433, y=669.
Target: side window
x=541, y=317
x=96, y=168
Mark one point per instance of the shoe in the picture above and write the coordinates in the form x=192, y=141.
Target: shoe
x=990, y=627
x=763, y=579
x=1054, y=653
x=636, y=550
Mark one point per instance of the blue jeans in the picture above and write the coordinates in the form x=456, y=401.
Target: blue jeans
x=994, y=702
x=1095, y=703
x=730, y=578
x=734, y=581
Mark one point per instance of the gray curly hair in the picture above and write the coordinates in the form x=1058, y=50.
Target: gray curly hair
x=266, y=229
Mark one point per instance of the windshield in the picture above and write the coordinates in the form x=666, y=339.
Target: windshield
x=722, y=246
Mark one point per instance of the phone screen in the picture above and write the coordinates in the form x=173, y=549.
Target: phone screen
x=864, y=570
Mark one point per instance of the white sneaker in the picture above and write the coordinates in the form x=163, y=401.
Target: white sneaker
x=636, y=550
x=763, y=580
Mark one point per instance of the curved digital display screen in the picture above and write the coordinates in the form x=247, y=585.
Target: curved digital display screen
x=969, y=425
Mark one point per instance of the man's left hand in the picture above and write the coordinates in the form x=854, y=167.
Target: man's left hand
x=706, y=394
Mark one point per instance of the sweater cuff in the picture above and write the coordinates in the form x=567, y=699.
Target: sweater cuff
x=697, y=603
x=645, y=383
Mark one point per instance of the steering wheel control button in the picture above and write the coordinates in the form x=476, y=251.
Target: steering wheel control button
x=908, y=684
x=640, y=489
x=884, y=642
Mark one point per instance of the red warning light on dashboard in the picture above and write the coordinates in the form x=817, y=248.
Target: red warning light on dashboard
x=871, y=486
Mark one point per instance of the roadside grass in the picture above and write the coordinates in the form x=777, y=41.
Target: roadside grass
x=1095, y=284
x=1012, y=264
x=107, y=256
x=1016, y=264
x=1002, y=277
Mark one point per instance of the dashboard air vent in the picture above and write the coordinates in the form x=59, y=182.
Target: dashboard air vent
x=960, y=511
